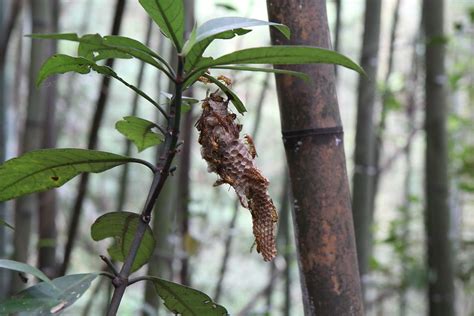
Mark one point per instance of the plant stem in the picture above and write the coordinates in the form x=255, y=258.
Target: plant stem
x=121, y=281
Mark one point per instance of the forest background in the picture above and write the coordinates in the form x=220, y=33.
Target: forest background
x=194, y=246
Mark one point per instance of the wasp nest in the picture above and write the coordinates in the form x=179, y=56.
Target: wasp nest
x=232, y=159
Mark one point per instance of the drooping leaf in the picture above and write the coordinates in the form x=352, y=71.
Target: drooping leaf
x=60, y=64
x=239, y=105
x=283, y=55
x=48, y=299
x=113, y=45
x=186, y=301
x=226, y=6
x=4, y=223
x=122, y=227
x=45, y=169
x=139, y=131
x=169, y=16
x=193, y=77
x=92, y=48
x=23, y=267
x=298, y=74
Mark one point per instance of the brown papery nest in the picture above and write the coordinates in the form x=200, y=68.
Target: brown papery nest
x=232, y=158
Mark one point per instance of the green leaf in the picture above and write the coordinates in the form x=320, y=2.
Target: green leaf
x=91, y=47
x=122, y=227
x=60, y=64
x=169, y=16
x=114, y=45
x=219, y=25
x=191, y=41
x=45, y=169
x=23, y=267
x=283, y=55
x=239, y=105
x=139, y=131
x=186, y=301
x=4, y=223
x=298, y=74
x=193, y=77
x=56, y=36
x=49, y=299
x=226, y=6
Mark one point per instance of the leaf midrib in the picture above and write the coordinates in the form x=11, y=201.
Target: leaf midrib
x=168, y=25
x=177, y=297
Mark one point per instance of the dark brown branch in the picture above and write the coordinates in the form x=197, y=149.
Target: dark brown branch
x=110, y=265
x=121, y=282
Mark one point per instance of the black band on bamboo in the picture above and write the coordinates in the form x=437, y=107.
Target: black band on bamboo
x=336, y=130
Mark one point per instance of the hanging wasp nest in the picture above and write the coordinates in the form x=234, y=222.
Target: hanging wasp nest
x=232, y=158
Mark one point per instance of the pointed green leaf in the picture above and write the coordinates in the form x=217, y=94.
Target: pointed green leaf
x=91, y=47
x=45, y=169
x=60, y=64
x=186, y=301
x=191, y=41
x=23, y=267
x=283, y=55
x=139, y=131
x=48, y=299
x=226, y=6
x=239, y=105
x=298, y=74
x=169, y=16
x=113, y=46
x=4, y=223
x=122, y=227
x=56, y=36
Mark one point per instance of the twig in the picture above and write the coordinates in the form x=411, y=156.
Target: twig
x=399, y=152
x=121, y=281
x=110, y=265
x=107, y=275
